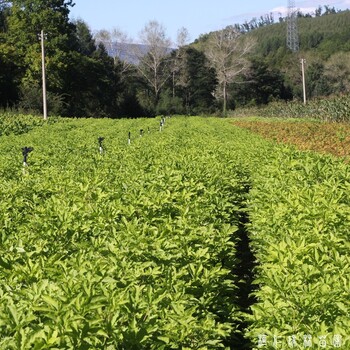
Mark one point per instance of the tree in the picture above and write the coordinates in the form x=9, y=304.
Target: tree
x=337, y=72
x=317, y=83
x=2, y=17
x=329, y=10
x=92, y=85
x=227, y=51
x=118, y=45
x=8, y=81
x=8, y=70
x=92, y=80
x=81, y=78
x=181, y=40
x=85, y=43
x=260, y=85
x=25, y=20
x=318, y=11
x=196, y=82
x=151, y=55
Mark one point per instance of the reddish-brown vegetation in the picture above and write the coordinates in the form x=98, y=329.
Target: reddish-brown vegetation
x=328, y=138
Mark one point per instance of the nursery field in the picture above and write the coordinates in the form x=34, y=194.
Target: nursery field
x=195, y=235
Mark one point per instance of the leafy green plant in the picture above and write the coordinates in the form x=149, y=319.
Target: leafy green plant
x=135, y=247
x=330, y=109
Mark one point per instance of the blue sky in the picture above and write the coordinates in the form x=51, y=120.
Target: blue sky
x=198, y=16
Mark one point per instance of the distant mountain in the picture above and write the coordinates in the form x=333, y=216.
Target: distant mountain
x=126, y=52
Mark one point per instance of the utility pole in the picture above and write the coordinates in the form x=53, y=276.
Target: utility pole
x=42, y=38
x=293, y=38
x=302, y=61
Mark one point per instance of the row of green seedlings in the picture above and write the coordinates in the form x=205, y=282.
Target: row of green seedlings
x=18, y=124
x=167, y=333
x=303, y=300
x=26, y=150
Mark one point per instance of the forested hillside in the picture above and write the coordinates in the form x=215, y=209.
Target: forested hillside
x=324, y=43
x=324, y=35
x=240, y=65
x=275, y=72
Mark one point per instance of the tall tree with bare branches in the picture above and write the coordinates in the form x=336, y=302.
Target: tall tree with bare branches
x=182, y=39
x=227, y=51
x=151, y=55
x=117, y=44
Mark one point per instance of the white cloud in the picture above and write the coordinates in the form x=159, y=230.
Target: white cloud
x=310, y=6
x=283, y=11
x=307, y=9
x=341, y=4
x=306, y=6
x=280, y=10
